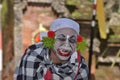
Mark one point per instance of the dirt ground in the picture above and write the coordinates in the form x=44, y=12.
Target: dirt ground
x=107, y=73
x=103, y=71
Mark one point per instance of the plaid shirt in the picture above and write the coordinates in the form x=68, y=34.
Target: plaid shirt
x=36, y=62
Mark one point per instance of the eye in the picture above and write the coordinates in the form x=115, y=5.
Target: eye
x=61, y=39
x=72, y=40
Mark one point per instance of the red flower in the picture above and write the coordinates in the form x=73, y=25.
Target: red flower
x=51, y=34
x=79, y=38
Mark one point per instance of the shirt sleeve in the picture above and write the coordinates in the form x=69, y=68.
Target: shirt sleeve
x=26, y=70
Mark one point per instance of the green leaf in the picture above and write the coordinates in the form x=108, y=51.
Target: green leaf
x=48, y=42
x=81, y=46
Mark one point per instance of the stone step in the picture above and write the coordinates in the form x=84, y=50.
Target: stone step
x=40, y=1
x=109, y=59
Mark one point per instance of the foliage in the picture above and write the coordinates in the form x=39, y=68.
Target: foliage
x=71, y=2
x=76, y=14
x=7, y=12
x=4, y=12
x=119, y=11
x=80, y=9
x=48, y=42
x=91, y=0
x=82, y=46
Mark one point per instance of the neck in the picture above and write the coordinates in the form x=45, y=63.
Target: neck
x=55, y=59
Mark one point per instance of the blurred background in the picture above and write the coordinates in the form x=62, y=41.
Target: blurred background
x=22, y=20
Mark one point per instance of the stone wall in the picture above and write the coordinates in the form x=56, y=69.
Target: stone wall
x=33, y=17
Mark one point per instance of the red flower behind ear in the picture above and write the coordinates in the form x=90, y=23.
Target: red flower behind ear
x=79, y=38
x=51, y=34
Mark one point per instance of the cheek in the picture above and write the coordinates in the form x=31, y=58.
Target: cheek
x=73, y=47
x=57, y=44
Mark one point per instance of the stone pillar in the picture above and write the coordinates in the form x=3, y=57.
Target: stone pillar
x=59, y=7
x=18, y=11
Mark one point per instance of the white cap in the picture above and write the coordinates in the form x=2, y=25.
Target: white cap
x=65, y=23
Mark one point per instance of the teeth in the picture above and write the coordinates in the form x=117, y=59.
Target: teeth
x=64, y=51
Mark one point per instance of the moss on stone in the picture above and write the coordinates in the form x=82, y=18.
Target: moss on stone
x=71, y=2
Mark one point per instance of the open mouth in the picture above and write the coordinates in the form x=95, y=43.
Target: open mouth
x=64, y=52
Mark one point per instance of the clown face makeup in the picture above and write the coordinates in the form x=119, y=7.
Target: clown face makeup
x=65, y=43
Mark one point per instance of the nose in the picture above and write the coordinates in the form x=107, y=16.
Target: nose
x=66, y=44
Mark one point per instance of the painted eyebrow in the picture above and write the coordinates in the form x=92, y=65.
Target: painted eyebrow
x=73, y=36
x=61, y=35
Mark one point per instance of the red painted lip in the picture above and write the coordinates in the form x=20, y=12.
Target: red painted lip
x=60, y=53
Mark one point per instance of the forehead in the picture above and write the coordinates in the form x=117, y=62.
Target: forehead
x=66, y=31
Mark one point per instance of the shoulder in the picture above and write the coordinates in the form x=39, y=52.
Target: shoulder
x=36, y=46
x=83, y=62
x=84, y=67
x=33, y=50
x=84, y=71
x=32, y=55
x=30, y=62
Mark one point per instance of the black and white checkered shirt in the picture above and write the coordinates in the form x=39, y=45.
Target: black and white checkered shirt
x=35, y=63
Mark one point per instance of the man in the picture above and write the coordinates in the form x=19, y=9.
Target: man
x=56, y=57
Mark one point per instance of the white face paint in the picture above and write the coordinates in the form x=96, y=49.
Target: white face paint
x=65, y=43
